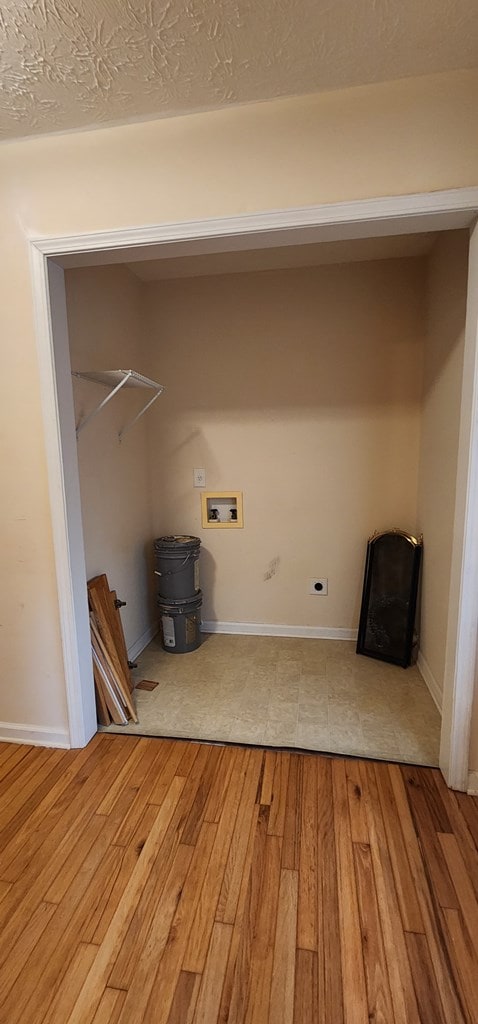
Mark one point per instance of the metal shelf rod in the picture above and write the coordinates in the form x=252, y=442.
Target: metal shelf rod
x=102, y=404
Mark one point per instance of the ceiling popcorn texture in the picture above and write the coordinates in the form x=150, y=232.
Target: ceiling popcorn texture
x=74, y=63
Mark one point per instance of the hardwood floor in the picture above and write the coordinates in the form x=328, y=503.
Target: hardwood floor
x=147, y=881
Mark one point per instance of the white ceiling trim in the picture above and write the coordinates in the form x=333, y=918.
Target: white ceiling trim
x=435, y=211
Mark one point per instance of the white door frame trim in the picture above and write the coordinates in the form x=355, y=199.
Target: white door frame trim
x=449, y=209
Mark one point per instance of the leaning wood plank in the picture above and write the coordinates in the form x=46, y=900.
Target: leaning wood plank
x=103, y=600
x=281, y=1009
x=112, y=702
x=101, y=695
x=354, y=989
x=113, y=672
x=112, y=683
x=96, y=981
x=100, y=604
x=102, y=713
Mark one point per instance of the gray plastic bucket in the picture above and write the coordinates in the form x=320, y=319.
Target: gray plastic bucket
x=177, y=567
x=180, y=623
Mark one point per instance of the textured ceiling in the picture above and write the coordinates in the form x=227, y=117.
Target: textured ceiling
x=286, y=257
x=71, y=63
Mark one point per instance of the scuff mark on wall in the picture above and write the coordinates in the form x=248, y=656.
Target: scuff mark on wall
x=272, y=568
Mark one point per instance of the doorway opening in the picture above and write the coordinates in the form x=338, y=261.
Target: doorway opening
x=251, y=358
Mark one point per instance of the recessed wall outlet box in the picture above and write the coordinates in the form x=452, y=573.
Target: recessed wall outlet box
x=319, y=586
x=221, y=510
x=199, y=477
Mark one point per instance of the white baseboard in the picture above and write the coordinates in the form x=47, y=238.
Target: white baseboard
x=139, y=645
x=269, y=629
x=472, y=784
x=13, y=732
x=428, y=677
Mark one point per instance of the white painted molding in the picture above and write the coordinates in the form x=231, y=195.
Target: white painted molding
x=449, y=208
x=461, y=646
x=270, y=629
x=139, y=645
x=37, y=736
x=63, y=478
x=428, y=678
x=472, y=784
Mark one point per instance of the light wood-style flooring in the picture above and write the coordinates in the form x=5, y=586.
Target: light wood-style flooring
x=168, y=882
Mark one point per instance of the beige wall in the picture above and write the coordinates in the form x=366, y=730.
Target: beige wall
x=443, y=368
x=104, y=323
x=302, y=389
x=401, y=137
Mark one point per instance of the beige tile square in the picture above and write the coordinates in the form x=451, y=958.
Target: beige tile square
x=313, y=737
x=279, y=733
x=288, y=670
x=314, y=715
x=312, y=687
x=282, y=712
x=247, y=730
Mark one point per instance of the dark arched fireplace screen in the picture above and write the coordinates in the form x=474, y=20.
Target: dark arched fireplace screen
x=389, y=599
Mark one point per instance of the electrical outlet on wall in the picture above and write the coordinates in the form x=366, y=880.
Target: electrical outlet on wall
x=319, y=586
x=199, y=476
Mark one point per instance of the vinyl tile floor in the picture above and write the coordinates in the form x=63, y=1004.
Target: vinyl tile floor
x=287, y=692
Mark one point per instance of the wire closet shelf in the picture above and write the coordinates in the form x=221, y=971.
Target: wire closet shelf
x=115, y=380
